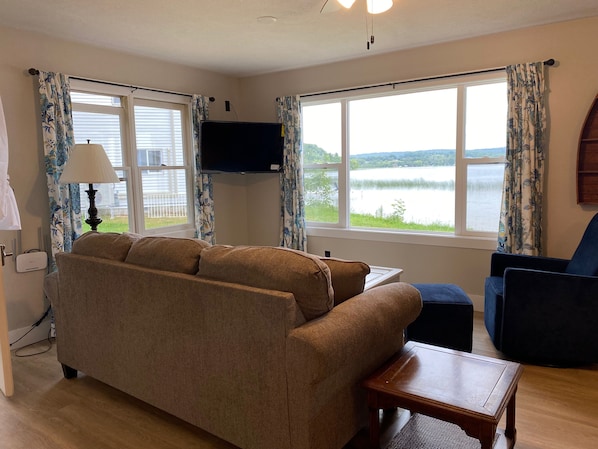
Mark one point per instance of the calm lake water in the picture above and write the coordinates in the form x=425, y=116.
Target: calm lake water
x=433, y=205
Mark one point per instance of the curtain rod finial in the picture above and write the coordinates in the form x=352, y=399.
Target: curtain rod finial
x=550, y=62
x=33, y=71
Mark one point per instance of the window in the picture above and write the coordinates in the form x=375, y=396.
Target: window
x=149, y=158
x=148, y=142
x=421, y=157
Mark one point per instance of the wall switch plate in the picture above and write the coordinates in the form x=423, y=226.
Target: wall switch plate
x=32, y=261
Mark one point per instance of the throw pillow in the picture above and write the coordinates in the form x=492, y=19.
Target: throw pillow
x=348, y=277
x=273, y=268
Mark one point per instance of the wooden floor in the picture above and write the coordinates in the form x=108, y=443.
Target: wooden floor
x=556, y=408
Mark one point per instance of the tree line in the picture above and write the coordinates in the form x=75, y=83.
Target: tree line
x=313, y=154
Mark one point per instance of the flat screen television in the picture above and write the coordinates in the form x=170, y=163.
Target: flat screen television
x=241, y=147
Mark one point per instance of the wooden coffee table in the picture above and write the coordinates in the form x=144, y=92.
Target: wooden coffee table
x=465, y=389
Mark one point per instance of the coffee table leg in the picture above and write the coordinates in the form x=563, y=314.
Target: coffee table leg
x=375, y=428
x=510, y=431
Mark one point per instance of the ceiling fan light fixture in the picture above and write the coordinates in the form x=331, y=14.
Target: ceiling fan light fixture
x=376, y=6
x=346, y=3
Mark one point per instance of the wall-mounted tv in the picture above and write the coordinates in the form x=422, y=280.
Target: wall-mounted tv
x=241, y=147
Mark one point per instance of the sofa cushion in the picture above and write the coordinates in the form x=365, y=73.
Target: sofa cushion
x=273, y=268
x=585, y=259
x=348, y=277
x=107, y=245
x=180, y=255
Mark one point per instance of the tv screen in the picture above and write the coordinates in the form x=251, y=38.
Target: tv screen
x=241, y=147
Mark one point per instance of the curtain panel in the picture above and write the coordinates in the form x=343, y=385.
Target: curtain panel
x=293, y=232
x=204, y=195
x=9, y=211
x=58, y=140
x=520, y=227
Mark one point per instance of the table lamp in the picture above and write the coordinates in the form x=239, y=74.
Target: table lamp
x=88, y=163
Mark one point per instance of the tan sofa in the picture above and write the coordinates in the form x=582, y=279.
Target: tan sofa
x=252, y=344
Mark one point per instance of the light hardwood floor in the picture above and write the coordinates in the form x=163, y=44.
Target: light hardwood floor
x=556, y=408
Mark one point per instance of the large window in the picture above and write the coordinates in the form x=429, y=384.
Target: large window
x=424, y=157
x=148, y=142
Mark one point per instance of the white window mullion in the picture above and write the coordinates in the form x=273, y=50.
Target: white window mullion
x=344, y=188
x=460, y=164
x=135, y=172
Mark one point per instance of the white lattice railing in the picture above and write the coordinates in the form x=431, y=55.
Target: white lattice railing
x=155, y=205
x=158, y=205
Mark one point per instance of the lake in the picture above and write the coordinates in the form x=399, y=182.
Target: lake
x=433, y=205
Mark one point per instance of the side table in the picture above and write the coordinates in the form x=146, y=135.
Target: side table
x=465, y=389
x=382, y=275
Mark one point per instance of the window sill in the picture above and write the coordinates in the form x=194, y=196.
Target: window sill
x=412, y=238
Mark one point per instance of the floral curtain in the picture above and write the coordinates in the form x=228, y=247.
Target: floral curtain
x=293, y=231
x=520, y=228
x=57, y=133
x=204, y=196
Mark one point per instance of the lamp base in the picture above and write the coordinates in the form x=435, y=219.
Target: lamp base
x=93, y=220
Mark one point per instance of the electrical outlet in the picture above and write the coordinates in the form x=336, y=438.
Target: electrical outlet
x=326, y=253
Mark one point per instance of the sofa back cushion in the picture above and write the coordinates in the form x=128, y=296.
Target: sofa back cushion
x=180, y=255
x=348, y=277
x=106, y=245
x=585, y=258
x=272, y=268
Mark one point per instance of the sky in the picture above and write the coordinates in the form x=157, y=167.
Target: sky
x=411, y=121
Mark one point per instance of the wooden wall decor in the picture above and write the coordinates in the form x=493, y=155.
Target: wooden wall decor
x=587, y=158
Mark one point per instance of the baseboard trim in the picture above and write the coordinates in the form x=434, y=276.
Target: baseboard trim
x=478, y=302
x=37, y=334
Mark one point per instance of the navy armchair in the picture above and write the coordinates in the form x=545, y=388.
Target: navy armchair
x=545, y=310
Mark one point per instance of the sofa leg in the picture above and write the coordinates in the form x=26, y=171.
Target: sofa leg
x=69, y=373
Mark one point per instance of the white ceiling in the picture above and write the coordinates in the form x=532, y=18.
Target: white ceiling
x=226, y=36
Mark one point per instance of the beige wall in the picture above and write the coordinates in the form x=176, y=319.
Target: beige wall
x=247, y=207
x=21, y=50
x=573, y=85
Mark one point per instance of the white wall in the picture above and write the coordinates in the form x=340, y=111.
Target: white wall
x=573, y=84
x=21, y=50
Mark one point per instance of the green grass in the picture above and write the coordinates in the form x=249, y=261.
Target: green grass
x=121, y=224
x=329, y=214
x=321, y=214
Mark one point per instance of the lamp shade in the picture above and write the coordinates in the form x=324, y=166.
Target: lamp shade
x=88, y=163
x=378, y=6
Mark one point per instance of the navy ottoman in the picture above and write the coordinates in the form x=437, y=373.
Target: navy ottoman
x=446, y=318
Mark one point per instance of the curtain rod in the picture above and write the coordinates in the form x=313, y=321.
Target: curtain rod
x=33, y=71
x=548, y=62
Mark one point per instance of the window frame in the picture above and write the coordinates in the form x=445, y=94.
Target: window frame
x=461, y=236
x=132, y=172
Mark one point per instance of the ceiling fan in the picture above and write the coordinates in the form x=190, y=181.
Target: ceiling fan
x=373, y=6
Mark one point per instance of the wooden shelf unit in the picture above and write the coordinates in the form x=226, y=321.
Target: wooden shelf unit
x=587, y=159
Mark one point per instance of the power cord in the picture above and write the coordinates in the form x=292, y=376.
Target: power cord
x=33, y=326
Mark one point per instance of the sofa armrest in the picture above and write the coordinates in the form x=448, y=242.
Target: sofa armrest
x=328, y=358
x=553, y=316
x=51, y=287
x=357, y=335
x=499, y=262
